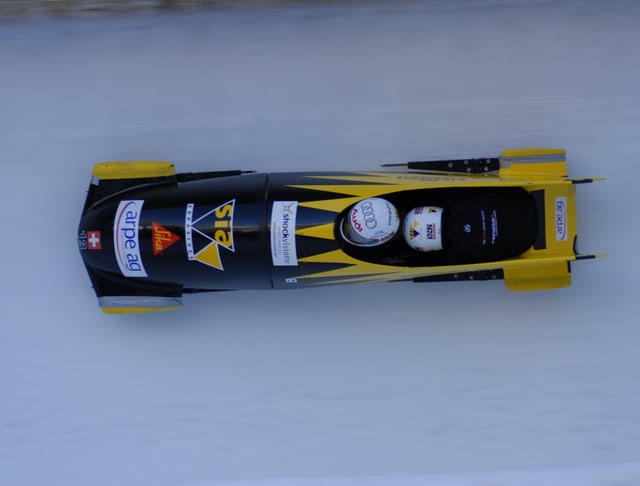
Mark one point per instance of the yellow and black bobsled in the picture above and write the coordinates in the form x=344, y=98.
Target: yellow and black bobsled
x=148, y=235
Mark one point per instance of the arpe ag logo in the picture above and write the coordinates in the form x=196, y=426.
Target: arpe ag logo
x=561, y=219
x=125, y=238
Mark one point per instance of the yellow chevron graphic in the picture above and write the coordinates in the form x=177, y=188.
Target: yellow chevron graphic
x=361, y=190
x=324, y=231
x=368, y=184
x=333, y=205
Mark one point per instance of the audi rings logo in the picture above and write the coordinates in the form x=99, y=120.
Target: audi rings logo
x=369, y=215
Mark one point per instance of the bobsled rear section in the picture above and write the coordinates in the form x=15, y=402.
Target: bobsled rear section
x=547, y=263
x=542, y=172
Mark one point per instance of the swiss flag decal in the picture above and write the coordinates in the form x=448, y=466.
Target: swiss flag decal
x=162, y=238
x=93, y=240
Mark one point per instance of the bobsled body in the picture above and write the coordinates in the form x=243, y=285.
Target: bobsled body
x=148, y=235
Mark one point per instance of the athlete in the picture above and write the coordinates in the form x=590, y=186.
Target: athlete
x=463, y=226
x=370, y=222
x=422, y=228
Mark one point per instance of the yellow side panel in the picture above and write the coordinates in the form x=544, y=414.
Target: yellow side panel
x=535, y=162
x=136, y=310
x=534, y=152
x=541, y=276
x=133, y=170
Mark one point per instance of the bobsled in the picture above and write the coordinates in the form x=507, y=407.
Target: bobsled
x=148, y=234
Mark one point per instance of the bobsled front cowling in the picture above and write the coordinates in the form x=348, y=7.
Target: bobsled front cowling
x=148, y=234
x=173, y=237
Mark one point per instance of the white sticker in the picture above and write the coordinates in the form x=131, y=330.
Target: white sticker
x=125, y=238
x=561, y=219
x=283, y=233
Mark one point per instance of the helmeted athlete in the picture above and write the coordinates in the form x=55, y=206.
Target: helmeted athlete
x=370, y=222
x=422, y=228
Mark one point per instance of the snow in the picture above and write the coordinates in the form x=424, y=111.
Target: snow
x=618, y=474
x=367, y=385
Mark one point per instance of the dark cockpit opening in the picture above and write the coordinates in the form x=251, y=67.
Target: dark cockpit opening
x=477, y=225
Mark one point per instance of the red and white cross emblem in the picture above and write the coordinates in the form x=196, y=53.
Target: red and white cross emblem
x=93, y=238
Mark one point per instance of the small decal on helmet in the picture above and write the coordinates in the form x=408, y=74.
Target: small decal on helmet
x=413, y=229
x=431, y=231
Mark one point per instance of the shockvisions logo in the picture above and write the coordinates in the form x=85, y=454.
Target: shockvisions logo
x=206, y=232
x=283, y=233
x=125, y=238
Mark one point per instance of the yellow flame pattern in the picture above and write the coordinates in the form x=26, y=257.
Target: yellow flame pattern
x=361, y=185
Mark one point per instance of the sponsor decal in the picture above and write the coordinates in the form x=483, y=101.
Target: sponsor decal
x=369, y=215
x=82, y=240
x=207, y=231
x=283, y=233
x=494, y=226
x=413, y=229
x=162, y=238
x=125, y=238
x=93, y=240
x=354, y=220
x=431, y=231
x=484, y=227
x=561, y=219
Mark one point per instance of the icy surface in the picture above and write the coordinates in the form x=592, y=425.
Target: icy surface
x=370, y=381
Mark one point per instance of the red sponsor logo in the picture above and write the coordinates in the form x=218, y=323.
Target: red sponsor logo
x=354, y=220
x=162, y=238
x=94, y=242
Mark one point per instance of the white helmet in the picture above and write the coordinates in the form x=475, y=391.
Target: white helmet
x=422, y=228
x=370, y=222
